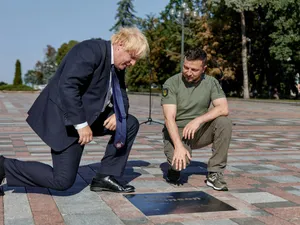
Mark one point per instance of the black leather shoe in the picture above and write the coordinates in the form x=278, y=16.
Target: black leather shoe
x=109, y=183
x=2, y=173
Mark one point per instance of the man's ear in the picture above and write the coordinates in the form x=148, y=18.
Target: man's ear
x=204, y=68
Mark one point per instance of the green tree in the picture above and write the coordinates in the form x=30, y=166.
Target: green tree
x=164, y=37
x=219, y=33
x=18, y=74
x=30, y=77
x=49, y=64
x=63, y=50
x=140, y=76
x=160, y=65
x=285, y=36
x=39, y=73
x=241, y=6
x=125, y=15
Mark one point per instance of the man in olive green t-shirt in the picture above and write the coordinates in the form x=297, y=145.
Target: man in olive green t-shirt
x=189, y=124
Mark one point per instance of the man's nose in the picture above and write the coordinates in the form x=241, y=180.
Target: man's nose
x=189, y=72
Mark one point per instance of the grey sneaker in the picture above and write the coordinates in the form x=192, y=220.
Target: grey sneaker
x=216, y=181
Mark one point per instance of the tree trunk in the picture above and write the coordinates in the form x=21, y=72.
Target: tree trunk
x=244, y=56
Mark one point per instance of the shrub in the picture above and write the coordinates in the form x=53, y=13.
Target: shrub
x=11, y=87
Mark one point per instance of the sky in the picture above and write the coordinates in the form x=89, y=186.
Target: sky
x=28, y=26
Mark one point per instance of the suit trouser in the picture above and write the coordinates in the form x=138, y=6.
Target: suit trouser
x=65, y=163
x=217, y=132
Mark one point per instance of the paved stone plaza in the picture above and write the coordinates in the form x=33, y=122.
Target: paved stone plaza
x=263, y=172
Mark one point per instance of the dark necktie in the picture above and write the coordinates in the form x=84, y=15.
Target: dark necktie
x=120, y=135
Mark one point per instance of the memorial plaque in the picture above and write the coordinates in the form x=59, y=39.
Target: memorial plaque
x=177, y=203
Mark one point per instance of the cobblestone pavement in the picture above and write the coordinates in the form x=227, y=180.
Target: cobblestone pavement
x=263, y=170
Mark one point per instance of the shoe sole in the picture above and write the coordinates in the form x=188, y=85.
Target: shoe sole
x=216, y=188
x=98, y=189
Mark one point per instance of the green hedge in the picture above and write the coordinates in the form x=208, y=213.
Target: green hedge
x=11, y=87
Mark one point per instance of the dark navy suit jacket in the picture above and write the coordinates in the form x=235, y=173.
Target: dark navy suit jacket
x=75, y=94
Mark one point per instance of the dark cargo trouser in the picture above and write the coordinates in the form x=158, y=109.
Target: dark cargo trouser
x=217, y=132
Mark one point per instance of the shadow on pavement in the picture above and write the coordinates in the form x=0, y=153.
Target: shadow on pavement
x=194, y=167
x=84, y=176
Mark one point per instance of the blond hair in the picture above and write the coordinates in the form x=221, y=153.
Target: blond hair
x=133, y=40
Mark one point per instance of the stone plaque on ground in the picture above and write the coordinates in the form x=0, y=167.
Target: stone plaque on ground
x=177, y=203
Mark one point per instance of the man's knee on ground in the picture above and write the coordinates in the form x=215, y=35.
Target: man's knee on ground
x=63, y=184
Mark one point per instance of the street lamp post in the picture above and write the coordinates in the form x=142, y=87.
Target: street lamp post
x=182, y=16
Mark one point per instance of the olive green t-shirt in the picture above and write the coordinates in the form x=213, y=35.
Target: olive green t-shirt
x=192, y=100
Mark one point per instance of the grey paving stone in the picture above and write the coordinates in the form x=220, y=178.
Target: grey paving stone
x=38, y=149
x=263, y=180
x=252, y=167
x=289, y=189
x=246, y=158
x=275, y=204
x=283, y=179
x=150, y=184
x=7, y=153
x=153, y=170
x=260, y=135
x=279, y=139
x=209, y=222
x=253, y=213
x=244, y=140
x=169, y=223
x=88, y=162
x=23, y=221
x=6, y=145
x=233, y=169
x=34, y=143
x=258, y=197
x=259, y=171
x=264, y=185
x=272, y=167
x=16, y=206
x=295, y=192
x=140, y=170
x=79, y=201
x=135, y=146
x=35, y=138
x=236, y=164
x=136, y=221
x=245, y=190
x=293, y=156
x=295, y=165
x=277, y=157
x=247, y=221
x=287, y=149
x=99, y=218
x=236, y=149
